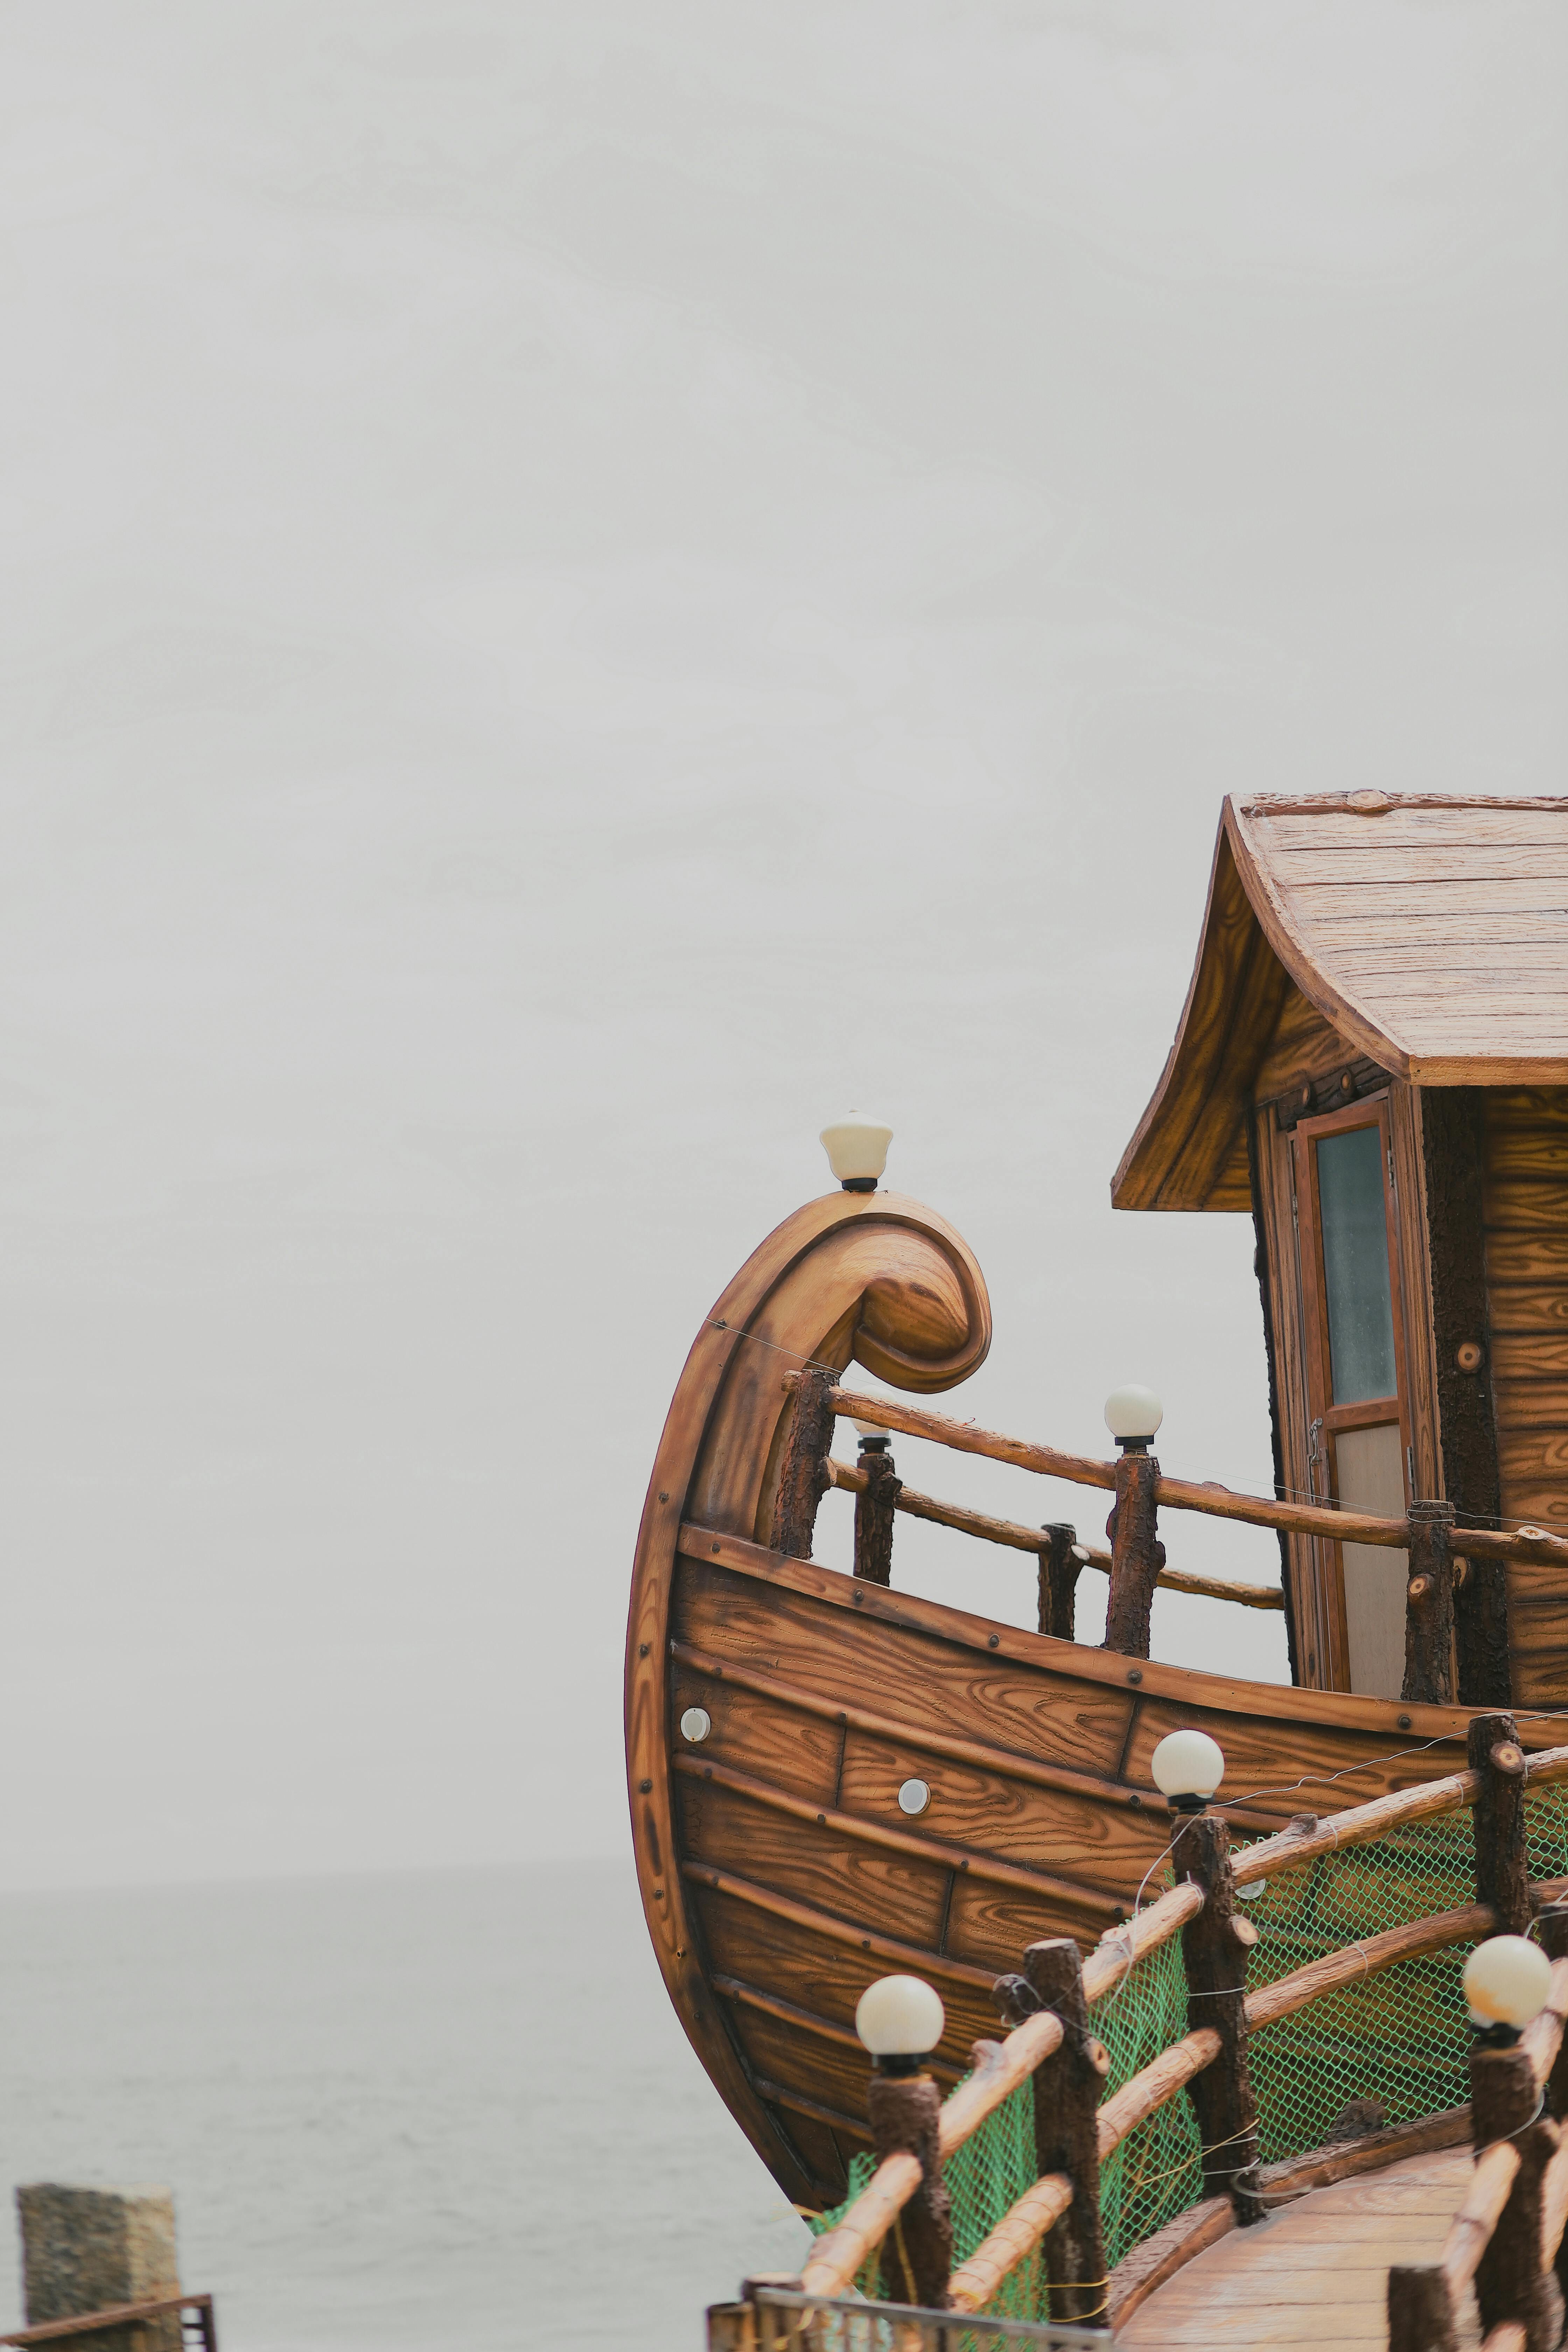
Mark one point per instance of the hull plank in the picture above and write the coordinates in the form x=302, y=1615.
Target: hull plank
x=887, y=1893
x=1098, y=1840
x=1047, y=1718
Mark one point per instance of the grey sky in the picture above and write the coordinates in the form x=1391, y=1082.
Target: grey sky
x=586, y=585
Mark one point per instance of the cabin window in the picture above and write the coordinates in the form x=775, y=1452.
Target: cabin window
x=1358, y=1437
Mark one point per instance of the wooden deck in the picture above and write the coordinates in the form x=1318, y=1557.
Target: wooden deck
x=1317, y=2272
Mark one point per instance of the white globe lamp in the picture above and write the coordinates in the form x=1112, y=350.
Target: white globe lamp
x=873, y=1439
x=900, y=2021
x=857, y=1148
x=1188, y=1766
x=1133, y=1415
x=1507, y=1980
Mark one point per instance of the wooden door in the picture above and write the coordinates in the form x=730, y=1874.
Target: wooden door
x=1359, y=1438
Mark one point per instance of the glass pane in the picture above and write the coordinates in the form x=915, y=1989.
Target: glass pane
x=1369, y=1474
x=1355, y=1265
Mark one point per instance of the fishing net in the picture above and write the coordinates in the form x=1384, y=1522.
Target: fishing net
x=1399, y=2038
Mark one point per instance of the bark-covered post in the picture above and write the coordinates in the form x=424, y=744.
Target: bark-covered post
x=1214, y=1946
x=1429, y=1606
x=1137, y=1555
x=803, y=1474
x=1068, y=2088
x=1060, y=1571
x=1420, y=2309
x=1551, y=1929
x=874, y=1506
x=1551, y=1933
x=1501, y=1872
x=1510, y=2283
x=905, y=2112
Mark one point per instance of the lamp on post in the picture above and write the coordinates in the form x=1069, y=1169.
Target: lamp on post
x=1507, y=1980
x=1133, y=1415
x=1188, y=1766
x=901, y=2020
x=857, y=1148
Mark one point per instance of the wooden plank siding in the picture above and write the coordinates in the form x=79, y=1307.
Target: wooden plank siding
x=1525, y=1212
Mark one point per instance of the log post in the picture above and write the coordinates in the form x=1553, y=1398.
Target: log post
x=1551, y=1928
x=802, y=1474
x=1510, y=2283
x=875, y=1506
x=1501, y=1872
x=1429, y=1606
x=1068, y=2088
x=905, y=2113
x=1420, y=2309
x=1059, y=1573
x=1137, y=1555
x=1214, y=1946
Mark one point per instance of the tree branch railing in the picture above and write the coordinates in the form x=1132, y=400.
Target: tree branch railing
x=1216, y=1939
x=1439, y=1554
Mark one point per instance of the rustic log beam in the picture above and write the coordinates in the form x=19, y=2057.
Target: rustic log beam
x=1214, y=1946
x=1503, y=1877
x=1217, y=1502
x=1000, y=2067
x=905, y=2112
x=1375, y=1819
x=1511, y=2283
x=1066, y=2096
x=1062, y=1562
x=874, y=1507
x=1429, y=1606
x=1286, y=1995
x=1018, y=1538
x=1137, y=1555
x=803, y=1476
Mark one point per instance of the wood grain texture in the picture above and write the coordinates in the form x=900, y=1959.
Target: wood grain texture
x=865, y=1278
x=1443, y=957
x=1190, y=1148
x=1315, y=2274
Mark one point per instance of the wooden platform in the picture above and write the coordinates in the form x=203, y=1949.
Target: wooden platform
x=1316, y=2273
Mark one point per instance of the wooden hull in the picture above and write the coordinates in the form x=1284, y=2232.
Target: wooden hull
x=779, y=1876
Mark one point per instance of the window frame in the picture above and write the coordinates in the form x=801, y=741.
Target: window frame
x=1326, y=1421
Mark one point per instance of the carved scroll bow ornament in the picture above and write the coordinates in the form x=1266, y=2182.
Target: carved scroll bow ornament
x=873, y=1279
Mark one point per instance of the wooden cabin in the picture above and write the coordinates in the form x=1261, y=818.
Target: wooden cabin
x=1373, y=1062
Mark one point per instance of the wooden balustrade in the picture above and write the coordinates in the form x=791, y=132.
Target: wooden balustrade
x=1512, y=2226
x=1436, y=1656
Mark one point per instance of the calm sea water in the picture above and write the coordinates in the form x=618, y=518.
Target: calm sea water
x=448, y=2110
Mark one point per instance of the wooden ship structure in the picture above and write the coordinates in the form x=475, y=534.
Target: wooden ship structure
x=831, y=1779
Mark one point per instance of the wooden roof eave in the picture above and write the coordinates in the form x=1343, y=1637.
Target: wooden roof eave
x=1190, y=1148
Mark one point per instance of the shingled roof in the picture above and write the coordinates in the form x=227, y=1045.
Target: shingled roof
x=1431, y=933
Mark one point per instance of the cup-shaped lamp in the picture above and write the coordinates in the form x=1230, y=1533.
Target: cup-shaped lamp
x=1188, y=1766
x=872, y=1439
x=1507, y=1980
x=900, y=2021
x=1133, y=1415
x=857, y=1148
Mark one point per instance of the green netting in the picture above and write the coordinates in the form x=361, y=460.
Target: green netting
x=1399, y=2037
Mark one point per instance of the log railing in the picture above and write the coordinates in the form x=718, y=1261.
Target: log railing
x=1505, y=2241
x=1439, y=1554
x=1048, y=2004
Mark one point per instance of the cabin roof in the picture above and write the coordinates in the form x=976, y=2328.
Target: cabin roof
x=1431, y=933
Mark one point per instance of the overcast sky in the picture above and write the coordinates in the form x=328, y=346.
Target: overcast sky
x=585, y=585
